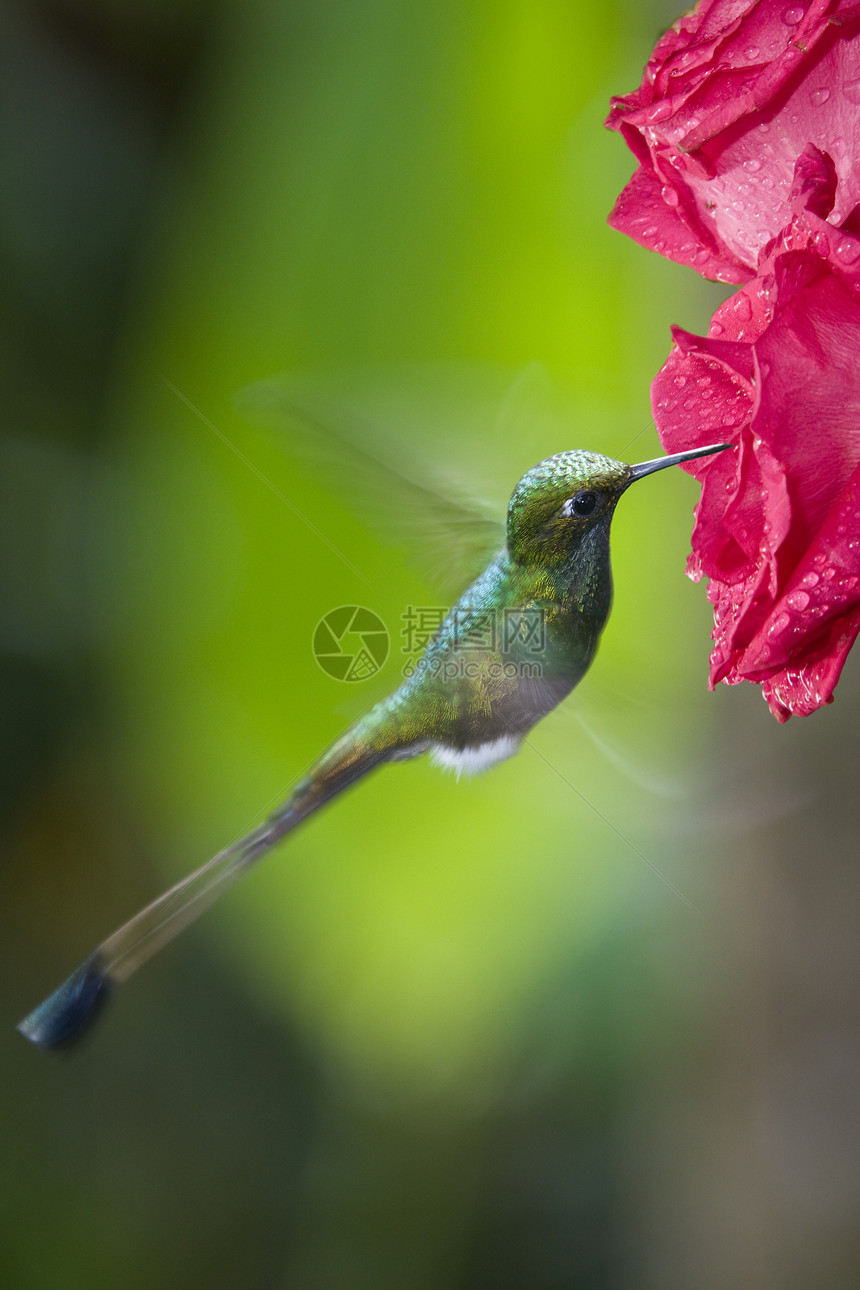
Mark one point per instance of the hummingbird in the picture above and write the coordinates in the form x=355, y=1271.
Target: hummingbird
x=515, y=644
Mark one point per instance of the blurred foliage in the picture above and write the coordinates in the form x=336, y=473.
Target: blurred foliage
x=453, y=1034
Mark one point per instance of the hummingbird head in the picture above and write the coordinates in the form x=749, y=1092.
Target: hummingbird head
x=565, y=497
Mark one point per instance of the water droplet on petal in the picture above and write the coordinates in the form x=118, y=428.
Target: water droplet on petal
x=809, y=580
x=716, y=329
x=763, y=127
x=752, y=164
x=670, y=195
x=820, y=96
x=680, y=381
x=791, y=17
x=848, y=249
x=779, y=624
x=798, y=600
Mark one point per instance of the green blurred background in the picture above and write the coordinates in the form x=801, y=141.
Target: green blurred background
x=453, y=1034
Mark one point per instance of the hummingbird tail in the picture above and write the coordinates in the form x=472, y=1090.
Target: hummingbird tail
x=69, y=1012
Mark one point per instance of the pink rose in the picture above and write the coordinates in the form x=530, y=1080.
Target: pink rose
x=778, y=526
x=731, y=97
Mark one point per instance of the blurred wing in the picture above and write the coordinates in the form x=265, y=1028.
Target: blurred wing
x=448, y=534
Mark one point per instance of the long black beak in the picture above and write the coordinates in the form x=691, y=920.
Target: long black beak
x=660, y=463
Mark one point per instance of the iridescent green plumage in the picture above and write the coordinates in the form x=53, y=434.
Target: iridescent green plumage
x=515, y=644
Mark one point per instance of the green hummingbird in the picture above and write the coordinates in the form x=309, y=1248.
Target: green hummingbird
x=515, y=644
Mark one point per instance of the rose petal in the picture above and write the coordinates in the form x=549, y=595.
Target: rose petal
x=658, y=215
x=779, y=518
x=730, y=99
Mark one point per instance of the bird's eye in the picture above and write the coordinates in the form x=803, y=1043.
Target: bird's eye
x=582, y=503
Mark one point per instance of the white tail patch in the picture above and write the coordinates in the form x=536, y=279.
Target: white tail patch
x=475, y=759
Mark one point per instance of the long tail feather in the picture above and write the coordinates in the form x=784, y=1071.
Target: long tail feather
x=67, y=1013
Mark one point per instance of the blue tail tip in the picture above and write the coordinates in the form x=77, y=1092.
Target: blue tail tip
x=69, y=1012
